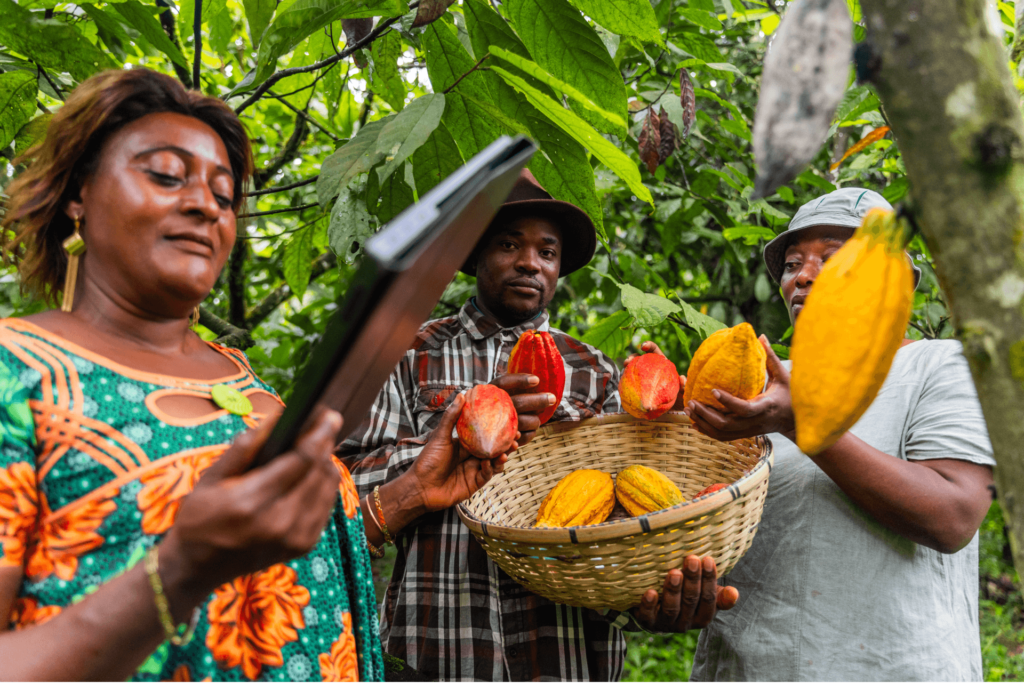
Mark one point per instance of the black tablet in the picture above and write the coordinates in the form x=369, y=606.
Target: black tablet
x=403, y=273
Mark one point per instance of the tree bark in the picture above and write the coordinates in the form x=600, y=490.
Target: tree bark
x=941, y=72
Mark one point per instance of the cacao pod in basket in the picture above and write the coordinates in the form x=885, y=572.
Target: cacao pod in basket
x=641, y=490
x=580, y=498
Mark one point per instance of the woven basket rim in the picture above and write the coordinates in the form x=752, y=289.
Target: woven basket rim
x=624, y=528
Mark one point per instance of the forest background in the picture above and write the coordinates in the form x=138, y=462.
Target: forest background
x=642, y=110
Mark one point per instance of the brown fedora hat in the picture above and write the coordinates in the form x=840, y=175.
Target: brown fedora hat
x=528, y=198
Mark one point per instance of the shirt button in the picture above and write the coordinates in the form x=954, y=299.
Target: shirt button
x=512, y=652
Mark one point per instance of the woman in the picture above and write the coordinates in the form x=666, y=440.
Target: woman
x=134, y=539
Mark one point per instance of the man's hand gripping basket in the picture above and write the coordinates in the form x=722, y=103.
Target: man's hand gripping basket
x=611, y=565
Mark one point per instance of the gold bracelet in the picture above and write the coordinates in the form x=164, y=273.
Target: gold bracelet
x=380, y=511
x=163, y=608
x=375, y=552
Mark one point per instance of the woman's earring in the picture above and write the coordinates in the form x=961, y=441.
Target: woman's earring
x=194, y=322
x=75, y=247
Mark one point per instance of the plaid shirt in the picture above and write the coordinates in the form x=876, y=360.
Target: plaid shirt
x=449, y=610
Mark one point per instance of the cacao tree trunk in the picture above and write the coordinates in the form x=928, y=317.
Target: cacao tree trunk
x=941, y=72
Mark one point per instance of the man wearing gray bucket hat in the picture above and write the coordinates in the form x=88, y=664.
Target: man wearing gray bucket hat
x=865, y=564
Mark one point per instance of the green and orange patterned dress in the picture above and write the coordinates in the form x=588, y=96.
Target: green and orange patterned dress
x=92, y=472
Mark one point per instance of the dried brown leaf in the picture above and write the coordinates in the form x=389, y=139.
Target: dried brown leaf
x=649, y=141
x=355, y=30
x=669, y=137
x=689, y=101
x=430, y=10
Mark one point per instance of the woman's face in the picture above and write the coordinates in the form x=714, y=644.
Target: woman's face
x=156, y=215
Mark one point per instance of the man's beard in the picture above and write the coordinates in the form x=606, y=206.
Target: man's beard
x=517, y=316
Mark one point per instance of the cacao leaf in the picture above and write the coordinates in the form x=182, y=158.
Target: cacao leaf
x=298, y=262
x=430, y=10
x=50, y=43
x=350, y=223
x=472, y=127
x=562, y=42
x=258, y=14
x=649, y=141
x=610, y=155
x=17, y=103
x=406, y=131
x=608, y=335
x=356, y=156
x=688, y=99
x=142, y=19
x=543, y=76
x=31, y=133
x=435, y=160
x=705, y=325
x=385, y=79
x=669, y=139
x=856, y=101
x=750, y=234
x=355, y=30
x=300, y=19
x=633, y=18
x=804, y=78
x=869, y=139
x=699, y=46
x=395, y=196
x=647, y=310
x=562, y=167
x=702, y=18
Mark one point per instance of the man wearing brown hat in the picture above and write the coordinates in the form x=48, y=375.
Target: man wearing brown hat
x=449, y=611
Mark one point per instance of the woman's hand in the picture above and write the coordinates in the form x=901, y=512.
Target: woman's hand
x=689, y=598
x=237, y=522
x=770, y=412
x=445, y=474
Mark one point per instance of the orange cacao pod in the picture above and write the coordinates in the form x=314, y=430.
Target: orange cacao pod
x=536, y=354
x=487, y=423
x=649, y=386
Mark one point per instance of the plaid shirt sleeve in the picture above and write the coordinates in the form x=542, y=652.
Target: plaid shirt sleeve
x=386, y=443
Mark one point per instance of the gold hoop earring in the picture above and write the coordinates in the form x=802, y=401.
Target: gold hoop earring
x=194, y=322
x=74, y=246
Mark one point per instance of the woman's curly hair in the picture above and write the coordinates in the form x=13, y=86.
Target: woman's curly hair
x=34, y=225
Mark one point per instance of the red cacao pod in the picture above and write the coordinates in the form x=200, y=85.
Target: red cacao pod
x=536, y=354
x=488, y=421
x=649, y=386
x=711, y=489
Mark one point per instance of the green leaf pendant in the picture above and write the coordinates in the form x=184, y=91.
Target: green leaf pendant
x=230, y=399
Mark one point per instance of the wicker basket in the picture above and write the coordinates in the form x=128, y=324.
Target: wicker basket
x=611, y=565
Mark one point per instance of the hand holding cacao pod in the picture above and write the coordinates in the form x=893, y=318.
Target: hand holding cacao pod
x=528, y=401
x=536, y=354
x=445, y=474
x=487, y=423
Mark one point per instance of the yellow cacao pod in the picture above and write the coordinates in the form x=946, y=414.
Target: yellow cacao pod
x=580, y=498
x=849, y=330
x=731, y=360
x=641, y=490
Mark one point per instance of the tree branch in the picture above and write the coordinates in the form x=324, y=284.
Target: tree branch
x=960, y=131
x=289, y=152
x=283, y=188
x=197, y=37
x=471, y=70
x=56, y=88
x=227, y=334
x=275, y=211
x=305, y=116
x=284, y=73
x=263, y=309
x=236, y=283
x=168, y=23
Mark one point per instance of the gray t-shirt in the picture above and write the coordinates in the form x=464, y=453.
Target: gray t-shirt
x=827, y=593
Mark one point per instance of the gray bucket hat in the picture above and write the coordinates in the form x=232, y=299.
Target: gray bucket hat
x=845, y=207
